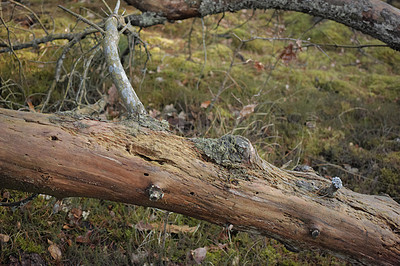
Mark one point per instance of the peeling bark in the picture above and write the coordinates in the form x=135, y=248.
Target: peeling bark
x=372, y=17
x=223, y=181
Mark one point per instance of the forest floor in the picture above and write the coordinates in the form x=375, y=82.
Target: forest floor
x=300, y=88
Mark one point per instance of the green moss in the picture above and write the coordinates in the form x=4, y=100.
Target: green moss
x=215, y=257
x=389, y=56
x=220, y=51
x=391, y=181
x=270, y=255
x=386, y=86
x=28, y=245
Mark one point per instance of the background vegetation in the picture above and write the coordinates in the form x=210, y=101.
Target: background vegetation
x=332, y=108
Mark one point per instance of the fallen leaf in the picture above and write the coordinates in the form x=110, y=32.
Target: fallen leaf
x=199, y=254
x=247, y=110
x=205, y=104
x=82, y=239
x=175, y=228
x=220, y=246
x=55, y=252
x=299, y=42
x=288, y=54
x=154, y=113
x=6, y=195
x=113, y=96
x=4, y=238
x=76, y=212
x=66, y=227
x=142, y=226
x=30, y=105
x=259, y=66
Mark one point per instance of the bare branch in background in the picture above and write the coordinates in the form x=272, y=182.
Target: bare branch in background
x=372, y=17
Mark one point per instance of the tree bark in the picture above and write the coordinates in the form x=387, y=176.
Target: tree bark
x=372, y=17
x=223, y=181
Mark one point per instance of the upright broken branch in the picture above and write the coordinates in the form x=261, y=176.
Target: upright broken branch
x=121, y=81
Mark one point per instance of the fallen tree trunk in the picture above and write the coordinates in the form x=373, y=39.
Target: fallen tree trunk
x=222, y=181
x=373, y=17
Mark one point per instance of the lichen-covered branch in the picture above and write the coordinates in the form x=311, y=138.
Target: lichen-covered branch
x=372, y=17
x=223, y=181
x=121, y=81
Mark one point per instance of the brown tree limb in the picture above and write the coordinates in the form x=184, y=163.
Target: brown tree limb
x=372, y=17
x=222, y=181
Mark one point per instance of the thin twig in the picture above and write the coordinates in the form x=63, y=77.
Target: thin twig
x=46, y=39
x=205, y=53
x=20, y=68
x=83, y=19
x=59, y=65
x=164, y=236
x=107, y=6
x=227, y=75
x=20, y=203
x=82, y=86
x=33, y=13
x=190, y=40
x=71, y=74
x=219, y=21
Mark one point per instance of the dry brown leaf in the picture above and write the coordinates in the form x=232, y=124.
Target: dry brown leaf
x=76, y=212
x=66, y=227
x=4, y=238
x=142, y=226
x=30, y=105
x=217, y=247
x=205, y=104
x=247, y=110
x=299, y=42
x=6, y=195
x=82, y=239
x=113, y=96
x=259, y=66
x=55, y=252
x=288, y=54
x=174, y=228
x=154, y=113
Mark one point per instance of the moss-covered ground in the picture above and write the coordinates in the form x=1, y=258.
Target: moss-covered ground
x=334, y=109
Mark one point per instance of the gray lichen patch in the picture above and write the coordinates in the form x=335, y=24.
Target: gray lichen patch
x=136, y=121
x=227, y=150
x=152, y=18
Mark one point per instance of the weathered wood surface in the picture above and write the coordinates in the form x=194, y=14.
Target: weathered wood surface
x=65, y=156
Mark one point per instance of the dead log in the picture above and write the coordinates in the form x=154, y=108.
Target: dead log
x=222, y=181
